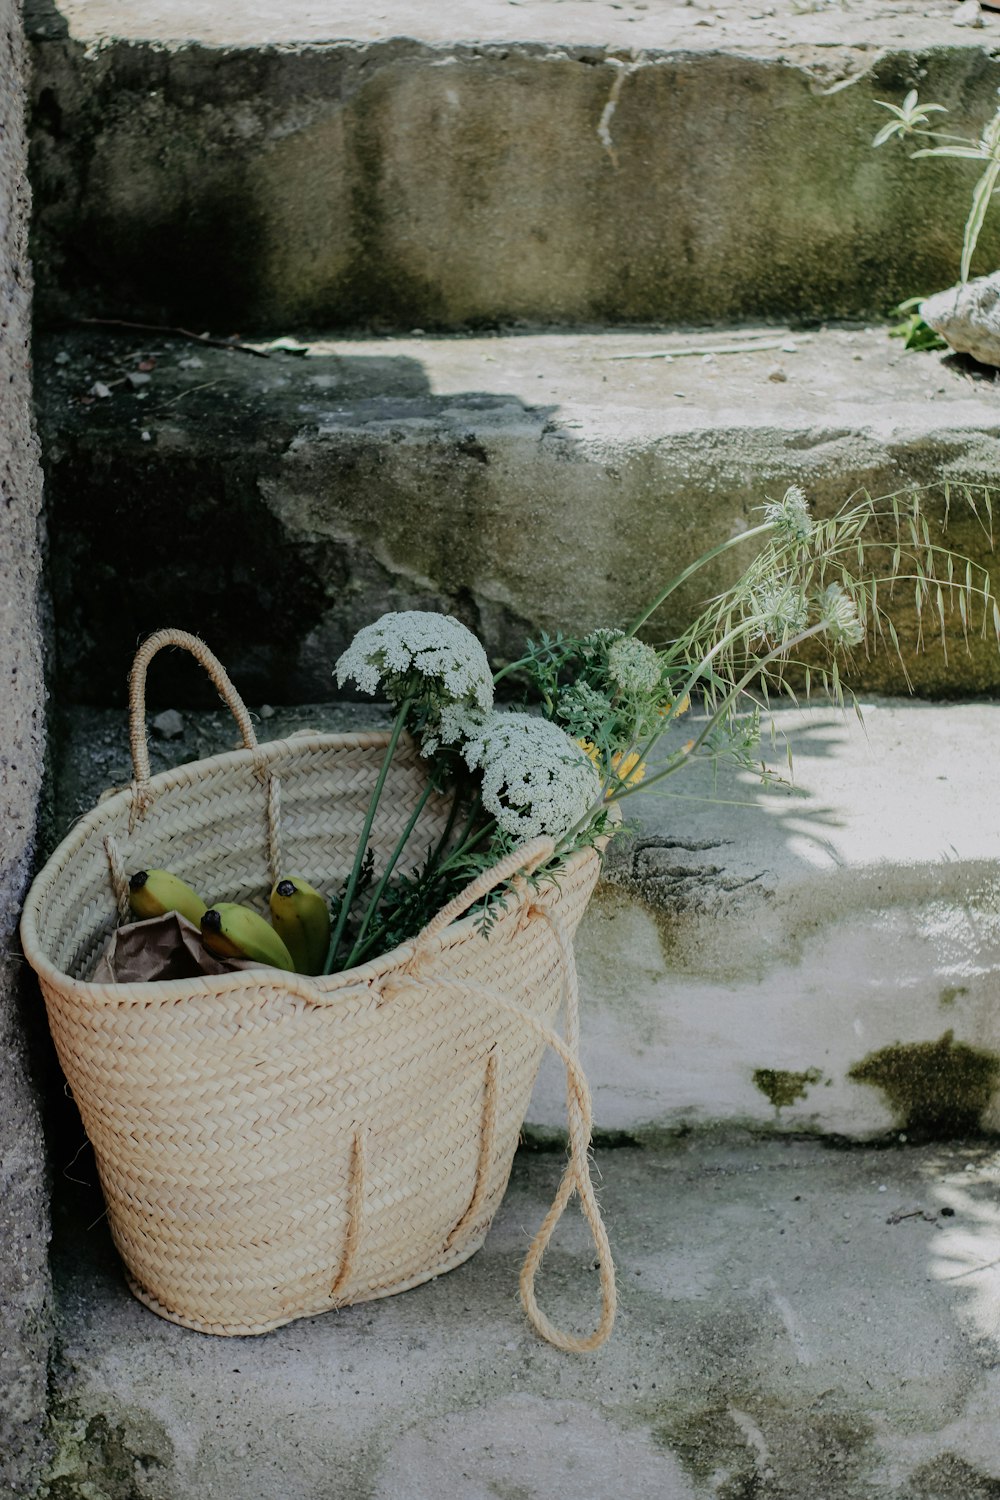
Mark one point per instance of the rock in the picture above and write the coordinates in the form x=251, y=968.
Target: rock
x=968, y=14
x=266, y=711
x=968, y=317
x=777, y=374
x=169, y=725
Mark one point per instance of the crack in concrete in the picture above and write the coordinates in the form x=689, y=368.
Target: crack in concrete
x=607, y=113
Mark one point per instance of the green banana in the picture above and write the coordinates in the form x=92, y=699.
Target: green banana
x=152, y=893
x=301, y=916
x=230, y=930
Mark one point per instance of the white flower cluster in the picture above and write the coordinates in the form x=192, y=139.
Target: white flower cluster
x=457, y=724
x=790, y=515
x=419, y=651
x=536, y=780
x=603, y=636
x=633, y=665
x=782, y=607
x=839, y=614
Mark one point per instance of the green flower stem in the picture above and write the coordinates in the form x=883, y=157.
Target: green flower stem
x=675, y=583
x=681, y=757
x=387, y=872
x=511, y=666
x=735, y=692
x=469, y=840
x=463, y=847
x=352, y=883
x=449, y=827
x=455, y=855
x=742, y=629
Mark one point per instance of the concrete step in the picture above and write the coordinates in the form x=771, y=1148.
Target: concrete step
x=794, y=1323
x=238, y=167
x=522, y=481
x=821, y=960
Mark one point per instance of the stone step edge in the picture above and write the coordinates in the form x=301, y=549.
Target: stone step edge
x=513, y=451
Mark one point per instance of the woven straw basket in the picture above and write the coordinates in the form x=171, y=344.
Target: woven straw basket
x=273, y=1146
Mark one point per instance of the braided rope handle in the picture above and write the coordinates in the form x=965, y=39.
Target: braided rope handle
x=137, y=700
x=576, y=1178
x=523, y=860
x=579, y=1113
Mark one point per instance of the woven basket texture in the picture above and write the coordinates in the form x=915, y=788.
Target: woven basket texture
x=271, y=1147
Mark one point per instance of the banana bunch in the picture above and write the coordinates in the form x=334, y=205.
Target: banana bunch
x=296, y=939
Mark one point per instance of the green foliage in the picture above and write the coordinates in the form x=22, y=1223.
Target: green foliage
x=915, y=333
x=830, y=583
x=913, y=119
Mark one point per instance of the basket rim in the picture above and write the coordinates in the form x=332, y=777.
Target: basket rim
x=314, y=988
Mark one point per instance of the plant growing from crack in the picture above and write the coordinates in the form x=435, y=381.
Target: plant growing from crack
x=911, y=119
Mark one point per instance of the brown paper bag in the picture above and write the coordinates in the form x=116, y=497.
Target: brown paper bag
x=167, y=947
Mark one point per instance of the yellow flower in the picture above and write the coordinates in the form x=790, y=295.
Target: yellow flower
x=625, y=767
x=628, y=768
x=681, y=708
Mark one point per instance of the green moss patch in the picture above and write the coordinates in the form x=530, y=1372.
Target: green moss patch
x=935, y=1089
x=783, y=1087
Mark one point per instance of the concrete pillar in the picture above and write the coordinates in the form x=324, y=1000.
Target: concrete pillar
x=24, y=1225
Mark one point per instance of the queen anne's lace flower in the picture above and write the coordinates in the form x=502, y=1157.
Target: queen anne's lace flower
x=633, y=665
x=582, y=708
x=460, y=725
x=790, y=515
x=418, y=652
x=839, y=614
x=600, y=639
x=536, y=780
x=783, y=609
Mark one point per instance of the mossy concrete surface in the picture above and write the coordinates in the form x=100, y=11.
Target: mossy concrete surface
x=823, y=959
x=234, y=169
x=938, y=1088
x=275, y=505
x=794, y=1322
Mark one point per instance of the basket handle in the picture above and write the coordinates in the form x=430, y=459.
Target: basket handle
x=576, y=1177
x=137, y=701
x=525, y=859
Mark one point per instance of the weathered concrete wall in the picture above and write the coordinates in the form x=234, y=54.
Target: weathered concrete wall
x=277, y=505
x=445, y=183
x=24, y=1280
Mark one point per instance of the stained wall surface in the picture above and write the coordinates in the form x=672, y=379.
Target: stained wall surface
x=24, y=1280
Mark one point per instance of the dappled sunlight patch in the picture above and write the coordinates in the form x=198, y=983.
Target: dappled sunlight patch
x=965, y=1255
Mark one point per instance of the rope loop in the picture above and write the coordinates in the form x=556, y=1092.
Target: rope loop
x=119, y=878
x=141, y=795
x=579, y=1113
